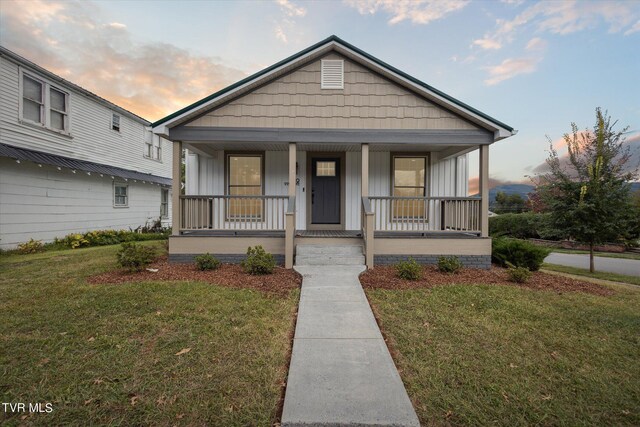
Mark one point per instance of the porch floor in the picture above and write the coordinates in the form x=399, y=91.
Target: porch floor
x=328, y=233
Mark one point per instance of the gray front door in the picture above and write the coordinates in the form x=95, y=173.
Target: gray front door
x=325, y=190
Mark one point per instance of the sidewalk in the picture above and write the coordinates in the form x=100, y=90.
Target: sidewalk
x=341, y=372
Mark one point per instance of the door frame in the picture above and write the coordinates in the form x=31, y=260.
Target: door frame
x=316, y=154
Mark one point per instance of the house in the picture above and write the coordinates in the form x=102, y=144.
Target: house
x=71, y=161
x=331, y=146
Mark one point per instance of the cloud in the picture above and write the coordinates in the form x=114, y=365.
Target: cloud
x=416, y=11
x=536, y=44
x=290, y=9
x=280, y=34
x=635, y=28
x=287, y=23
x=487, y=43
x=509, y=68
x=149, y=79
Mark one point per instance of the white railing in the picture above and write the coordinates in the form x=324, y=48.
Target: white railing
x=426, y=213
x=233, y=212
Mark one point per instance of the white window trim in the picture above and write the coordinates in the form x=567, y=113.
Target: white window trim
x=46, y=103
x=162, y=190
x=154, y=149
x=119, y=130
x=322, y=83
x=120, y=184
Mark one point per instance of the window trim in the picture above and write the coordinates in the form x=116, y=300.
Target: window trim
x=427, y=178
x=111, y=125
x=126, y=186
x=155, y=149
x=45, y=109
x=166, y=214
x=227, y=169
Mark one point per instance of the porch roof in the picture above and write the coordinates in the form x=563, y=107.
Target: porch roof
x=499, y=129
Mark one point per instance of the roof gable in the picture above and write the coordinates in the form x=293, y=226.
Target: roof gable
x=334, y=43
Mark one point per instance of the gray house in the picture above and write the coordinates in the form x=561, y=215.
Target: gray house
x=331, y=146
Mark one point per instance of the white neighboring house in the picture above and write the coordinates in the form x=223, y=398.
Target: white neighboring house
x=71, y=161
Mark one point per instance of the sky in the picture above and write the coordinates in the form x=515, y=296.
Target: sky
x=536, y=65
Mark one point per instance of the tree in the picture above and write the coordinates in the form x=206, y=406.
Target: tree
x=588, y=194
x=508, y=203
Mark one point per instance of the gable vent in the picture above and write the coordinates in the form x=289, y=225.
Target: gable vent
x=332, y=74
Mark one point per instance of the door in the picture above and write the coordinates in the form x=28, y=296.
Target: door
x=325, y=190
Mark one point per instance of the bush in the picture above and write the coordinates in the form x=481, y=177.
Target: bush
x=519, y=274
x=258, y=261
x=518, y=253
x=207, y=262
x=106, y=237
x=528, y=225
x=449, y=264
x=409, y=270
x=30, y=247
x=135, y=257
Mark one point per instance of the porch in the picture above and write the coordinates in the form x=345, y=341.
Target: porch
x=364, y=208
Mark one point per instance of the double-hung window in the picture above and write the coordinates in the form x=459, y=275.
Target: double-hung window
x=115, y=122
x=120, y=195
x=245, y=178
x=153, y=147
x=409, y=184
x=44, y=104
x=164, y=203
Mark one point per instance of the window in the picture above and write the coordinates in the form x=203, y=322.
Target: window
x=120, y=195
x=44, y=104
x=326, y=169
x=164, y=203
x=153, y=147
x=409, y=180
x=115, y=122
x=244, y=179
x=332, y=74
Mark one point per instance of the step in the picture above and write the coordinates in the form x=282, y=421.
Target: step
x=329, y=259
x=328, y=250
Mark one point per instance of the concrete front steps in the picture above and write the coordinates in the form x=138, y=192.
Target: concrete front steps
x=329, y=255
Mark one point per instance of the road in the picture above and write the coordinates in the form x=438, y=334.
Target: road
x=629, y=267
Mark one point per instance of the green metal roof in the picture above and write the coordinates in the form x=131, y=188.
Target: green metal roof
x=336, y=39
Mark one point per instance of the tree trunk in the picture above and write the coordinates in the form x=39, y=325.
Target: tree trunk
x=592, y=267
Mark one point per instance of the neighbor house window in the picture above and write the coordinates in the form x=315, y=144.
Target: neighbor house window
x=244, y=178
x=44, y=104
x=120, y=195
x=164, y=203
x=153, y=147
x=409, y=180
x=115, y=122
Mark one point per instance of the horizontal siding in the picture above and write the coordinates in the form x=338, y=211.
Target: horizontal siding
x=368, y=101
x=44, y=203
x=92, y=138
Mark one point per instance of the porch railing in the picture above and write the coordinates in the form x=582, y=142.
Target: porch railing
x=233, y=212
x=426, y=213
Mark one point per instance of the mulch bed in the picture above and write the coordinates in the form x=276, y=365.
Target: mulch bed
x=280, y=283
x=384, y=277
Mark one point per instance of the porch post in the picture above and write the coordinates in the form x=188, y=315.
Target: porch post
x=175, y=189
x=367, y=217
x=365, y=170
x=484, y=190
x=290, y=215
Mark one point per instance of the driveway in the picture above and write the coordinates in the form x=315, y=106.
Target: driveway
x=629, y=267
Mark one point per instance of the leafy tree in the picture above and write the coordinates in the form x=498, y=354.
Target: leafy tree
x=589, y=195
x=508, y=203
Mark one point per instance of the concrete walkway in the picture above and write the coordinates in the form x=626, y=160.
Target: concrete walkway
x=341, y=372
x=629, y=267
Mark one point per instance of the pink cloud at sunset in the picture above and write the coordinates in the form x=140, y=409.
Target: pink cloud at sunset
x=149, y=79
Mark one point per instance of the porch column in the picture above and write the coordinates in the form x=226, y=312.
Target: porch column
x=290, y=215
x=175, y=189
x=365, y=170
x=367, y=217
x=484, y=190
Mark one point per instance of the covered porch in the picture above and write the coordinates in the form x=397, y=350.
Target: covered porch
x=345, y=190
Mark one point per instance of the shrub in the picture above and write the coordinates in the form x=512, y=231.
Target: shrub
x=106, y=237
x=449, y=264
x=528, y=225
x=207, y=262
x=519, y=253
x=258, y=261
x=135, y=257
x=519, y=274
x=30, y=247
x=409, y=270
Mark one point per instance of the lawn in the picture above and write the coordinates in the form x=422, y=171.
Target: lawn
x=623, y=255
x=509, y=356
x=634, y=280
x=150, y=353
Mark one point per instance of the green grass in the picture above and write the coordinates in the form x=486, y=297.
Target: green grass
x=506, y=356
x=634, y=280
x=623, y=255
x=106, y=354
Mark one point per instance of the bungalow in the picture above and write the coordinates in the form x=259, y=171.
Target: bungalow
x=334, y=147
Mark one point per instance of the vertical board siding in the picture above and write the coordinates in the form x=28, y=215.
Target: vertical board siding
x=353, y=190
x=379, y=173
x=92, y=138
x=44, y=203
